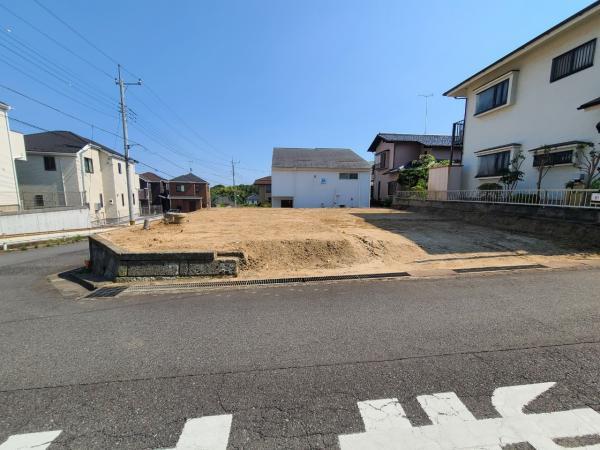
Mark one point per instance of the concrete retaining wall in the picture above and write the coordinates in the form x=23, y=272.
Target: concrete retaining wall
x=40, y=221
x=581, y=226
x=114, y=263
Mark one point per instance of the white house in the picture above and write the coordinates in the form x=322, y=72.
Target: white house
x=12, y=148
x=65, y=169
x=542, y=97
x=319, y=178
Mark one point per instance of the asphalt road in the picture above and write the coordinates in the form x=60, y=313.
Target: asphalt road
x=288, y=364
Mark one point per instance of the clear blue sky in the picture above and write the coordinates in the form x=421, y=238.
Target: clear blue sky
x=248, y=75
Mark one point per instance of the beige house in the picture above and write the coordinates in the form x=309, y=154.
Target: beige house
x=543, y=96
x=12, y=148
x=394, y=152
x=65, y=169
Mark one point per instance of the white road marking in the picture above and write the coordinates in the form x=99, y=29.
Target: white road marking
x=460, y=430
x=445, y=408
x=383, y=414
x=204, y=433
x=38, y=441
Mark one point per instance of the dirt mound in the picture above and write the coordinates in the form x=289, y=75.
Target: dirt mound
x=297, y=254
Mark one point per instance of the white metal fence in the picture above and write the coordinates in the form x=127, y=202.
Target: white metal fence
x=152, y=210
x=564, y=198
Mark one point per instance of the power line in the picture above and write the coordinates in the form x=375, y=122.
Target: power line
x=50, y=72
x=58, y=110
x=64, y=47
x=73, y=99
x=37, y=127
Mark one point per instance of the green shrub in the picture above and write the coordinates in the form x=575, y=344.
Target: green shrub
x=489, y=187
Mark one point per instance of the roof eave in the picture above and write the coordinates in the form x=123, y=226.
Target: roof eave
x=460, y=89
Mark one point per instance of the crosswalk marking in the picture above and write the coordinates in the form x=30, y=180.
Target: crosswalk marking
x=38, y=441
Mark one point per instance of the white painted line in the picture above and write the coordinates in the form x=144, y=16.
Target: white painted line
x=383, y=414
x=460, y=430
x=38, y=441
x=205, y=433
x=510, y=400
x=445, y=407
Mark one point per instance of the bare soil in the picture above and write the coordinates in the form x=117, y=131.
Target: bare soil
x=286, y=242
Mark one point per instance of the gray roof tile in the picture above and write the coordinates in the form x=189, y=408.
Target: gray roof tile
x=317, y=158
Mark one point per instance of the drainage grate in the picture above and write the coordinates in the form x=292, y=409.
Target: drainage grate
x=497, y=268
x=107, y=292
x=268, y=281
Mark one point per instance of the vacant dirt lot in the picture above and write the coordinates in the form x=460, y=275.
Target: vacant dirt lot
x=281, y=242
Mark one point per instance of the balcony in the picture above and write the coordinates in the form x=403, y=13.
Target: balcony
x=143, y=194
x=458, y=133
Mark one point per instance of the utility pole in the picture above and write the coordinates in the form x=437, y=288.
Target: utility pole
x=426, y=97
x=122, y=85
x=233, y=163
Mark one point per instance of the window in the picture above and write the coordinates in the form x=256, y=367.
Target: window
x=38, y=200
x=573, y=61
x=101, y=201
x=492, y=97
x=122, y=200
x=119, y=167
x=493, y=165
x=348, y=176
x=382, y=160
x=180, y=188
x=553, y=159
x=392, y=185
x=89, y=165
x=268, y=189
x=49, y=163
x=133, y=196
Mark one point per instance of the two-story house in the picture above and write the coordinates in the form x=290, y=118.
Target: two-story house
x=12, y=148
x=538, y=104
x=188, y=193
x=264, y=189
x=151, y=189
x=394, y=152
x=65, y=169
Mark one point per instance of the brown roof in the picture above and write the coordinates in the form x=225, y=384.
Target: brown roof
x=263, y=180
x=151, y=177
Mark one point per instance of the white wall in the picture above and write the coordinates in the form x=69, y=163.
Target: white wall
x=36, y=221
x=543, y=113
x=307, y=190
x=12, y=147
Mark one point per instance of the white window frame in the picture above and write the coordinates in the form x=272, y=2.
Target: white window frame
x=512, y=77
x=562, y=148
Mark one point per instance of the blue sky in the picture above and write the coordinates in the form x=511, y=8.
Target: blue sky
x=248, y=75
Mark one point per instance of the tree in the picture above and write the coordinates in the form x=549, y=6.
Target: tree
x=415, y=177
x=543, y=163
x=513, y=174
x=240, y=192
x=589, y=164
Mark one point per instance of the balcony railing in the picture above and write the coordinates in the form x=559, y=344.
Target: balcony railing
x=458, y=133
x=143, y=194
x=562, y=198
x=54, y=199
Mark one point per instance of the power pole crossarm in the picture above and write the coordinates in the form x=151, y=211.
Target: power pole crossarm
x=122, y=85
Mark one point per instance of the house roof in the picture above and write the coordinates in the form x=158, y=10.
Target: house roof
x=558, y=28
x=317, y=158
x=62, y=142
x=590, y=104
x=189, y=178
x=428, y=140
x=151, y=177
x=263, y=180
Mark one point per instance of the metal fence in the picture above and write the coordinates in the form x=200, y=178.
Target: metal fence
x=52, y=199
x=152, y=210
x=563, y=198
